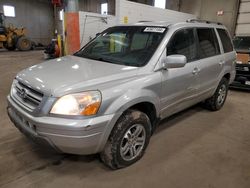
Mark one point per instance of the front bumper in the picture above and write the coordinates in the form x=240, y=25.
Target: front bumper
x=76, y=136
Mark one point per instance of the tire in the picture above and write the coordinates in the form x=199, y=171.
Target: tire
x=128, y=140
x=12, y=48
x=24, y=44
x=217, y=101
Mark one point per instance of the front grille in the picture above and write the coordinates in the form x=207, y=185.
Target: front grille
x=243, y=69
x=27, y=96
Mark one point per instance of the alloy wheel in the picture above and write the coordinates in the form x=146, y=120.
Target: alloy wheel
x=222, y=95
x=133, y=142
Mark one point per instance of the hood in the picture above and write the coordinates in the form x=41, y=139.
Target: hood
x=70, y=73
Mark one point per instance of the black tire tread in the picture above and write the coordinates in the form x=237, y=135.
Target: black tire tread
x=109, y=154
x=18, y=44
x=210, y=103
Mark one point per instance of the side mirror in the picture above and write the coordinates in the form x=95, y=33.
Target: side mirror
x=174, y=61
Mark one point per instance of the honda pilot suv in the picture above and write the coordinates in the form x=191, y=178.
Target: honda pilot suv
x=108, y=97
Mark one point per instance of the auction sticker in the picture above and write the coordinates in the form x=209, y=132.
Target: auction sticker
x=155, y=29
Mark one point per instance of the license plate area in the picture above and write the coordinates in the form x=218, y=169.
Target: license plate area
x=247, y=83
x=246, y=69
x=29, y=125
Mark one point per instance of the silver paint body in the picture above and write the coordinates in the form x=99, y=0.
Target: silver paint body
x=169, y=90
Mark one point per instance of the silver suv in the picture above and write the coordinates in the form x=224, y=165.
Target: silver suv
x=108, y=97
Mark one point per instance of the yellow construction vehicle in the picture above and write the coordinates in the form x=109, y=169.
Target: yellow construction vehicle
x=12, y=37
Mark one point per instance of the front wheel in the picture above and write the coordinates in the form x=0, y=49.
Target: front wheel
x=218, y=99
x=128, y=140
x=10, y=48
x=24, y=44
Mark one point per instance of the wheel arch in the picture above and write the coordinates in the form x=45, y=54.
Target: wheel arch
x=142, y=105
x=227, y=76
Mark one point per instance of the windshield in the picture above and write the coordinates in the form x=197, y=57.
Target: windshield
x=124, y=45
x=242, y=43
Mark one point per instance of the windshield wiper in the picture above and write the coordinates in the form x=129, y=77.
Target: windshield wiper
x=98, y=58
x=110, y=61
x=104, y=59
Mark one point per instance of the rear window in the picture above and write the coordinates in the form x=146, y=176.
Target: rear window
x=208, y=42
x=226, y=41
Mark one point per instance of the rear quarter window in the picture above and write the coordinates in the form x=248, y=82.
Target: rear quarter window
x=225, y=40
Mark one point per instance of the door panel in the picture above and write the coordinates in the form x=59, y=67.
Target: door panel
x=229, y=53
x=180, y=85
x=211, y=60
x=210, y=72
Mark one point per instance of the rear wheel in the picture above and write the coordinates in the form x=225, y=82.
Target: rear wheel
x=218, y=99
x=24, y=44
x=128, y=140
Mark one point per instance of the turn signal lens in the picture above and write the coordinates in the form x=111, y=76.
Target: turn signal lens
x=91, y=109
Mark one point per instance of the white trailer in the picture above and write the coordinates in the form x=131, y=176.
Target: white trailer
x=127, y=12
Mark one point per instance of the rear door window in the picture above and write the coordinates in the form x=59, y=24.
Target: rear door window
x=226, y=41
x=208, y=42
x=183, y=43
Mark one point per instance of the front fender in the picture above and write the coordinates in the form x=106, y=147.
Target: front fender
x=124, y=102
x=132, y=97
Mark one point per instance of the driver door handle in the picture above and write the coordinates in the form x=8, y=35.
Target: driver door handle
x=196, y=71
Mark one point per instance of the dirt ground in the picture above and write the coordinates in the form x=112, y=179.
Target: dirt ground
x=194, y=149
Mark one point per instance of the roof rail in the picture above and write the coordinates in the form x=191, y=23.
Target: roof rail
x=202, y=21
x=141, y=21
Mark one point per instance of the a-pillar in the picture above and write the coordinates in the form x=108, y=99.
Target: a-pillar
x=71, y=27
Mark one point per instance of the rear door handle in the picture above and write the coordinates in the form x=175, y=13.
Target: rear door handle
x=196, y=71
x=221, y=62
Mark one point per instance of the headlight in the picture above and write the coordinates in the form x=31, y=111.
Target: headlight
x=85, y=103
